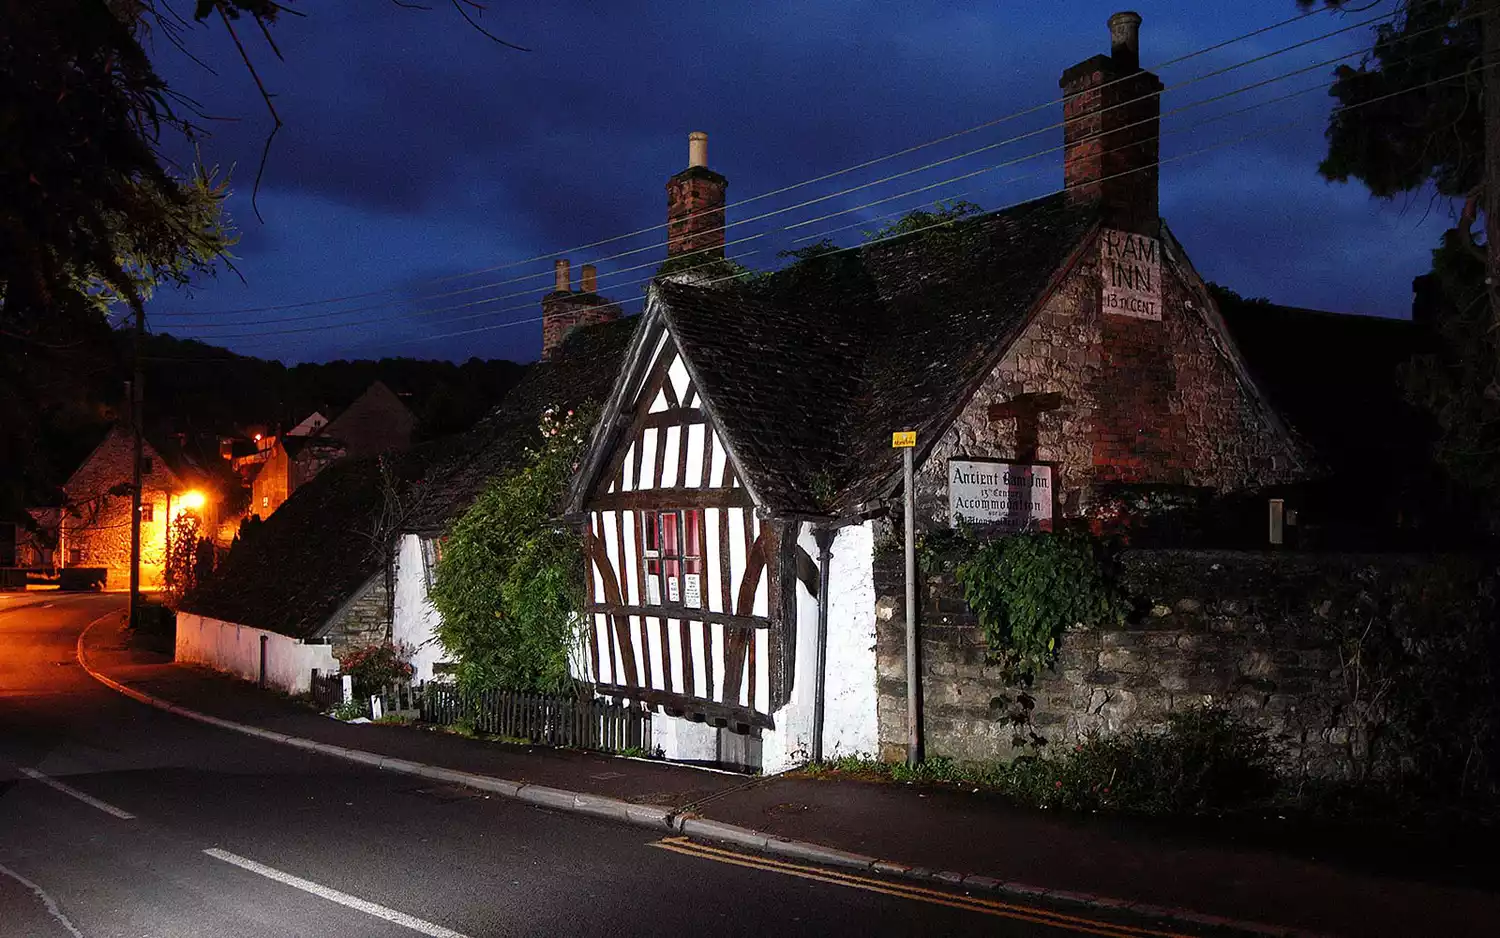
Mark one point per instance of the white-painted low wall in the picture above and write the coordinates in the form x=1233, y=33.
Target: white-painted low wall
x=416, y=619
x=235, y=649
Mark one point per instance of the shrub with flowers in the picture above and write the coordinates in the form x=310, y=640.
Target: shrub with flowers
x=509, y=586
x=375, y=666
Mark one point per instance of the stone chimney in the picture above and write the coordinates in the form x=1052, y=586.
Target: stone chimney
x=695, y=206
x=564, y=310
x=1112, y=125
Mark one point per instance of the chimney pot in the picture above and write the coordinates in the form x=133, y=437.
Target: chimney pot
x=1125, y=38
x=590, y=275
x=564, y=279
x=698, y=147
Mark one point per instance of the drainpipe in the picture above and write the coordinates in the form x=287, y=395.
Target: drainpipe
x=824, y=539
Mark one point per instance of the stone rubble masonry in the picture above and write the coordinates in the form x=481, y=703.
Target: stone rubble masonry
x=99, y=528
x=1142, y=401
x=1248, y=631
x=364, y=621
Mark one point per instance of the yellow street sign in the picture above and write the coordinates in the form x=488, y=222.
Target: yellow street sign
x=903, y=439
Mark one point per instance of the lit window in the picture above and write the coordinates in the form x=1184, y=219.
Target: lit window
x=147, y=512
x=674, y=557
x=265, y=501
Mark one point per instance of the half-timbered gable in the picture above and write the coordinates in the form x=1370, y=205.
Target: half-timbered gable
x=683, y=597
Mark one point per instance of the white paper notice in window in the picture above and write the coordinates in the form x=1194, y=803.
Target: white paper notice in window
x=674, y=592
x=653, y=591
x=691, y=592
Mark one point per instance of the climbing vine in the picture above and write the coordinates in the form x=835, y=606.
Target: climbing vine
x=509, y=586
x=1028, y=589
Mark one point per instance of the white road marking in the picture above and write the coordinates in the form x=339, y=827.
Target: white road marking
x=89, y=800
x=47, y=900
x=333, y=895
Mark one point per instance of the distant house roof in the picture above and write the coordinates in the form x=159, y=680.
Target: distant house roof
x=377, y=422
x=314, y=552
x=1335, y=377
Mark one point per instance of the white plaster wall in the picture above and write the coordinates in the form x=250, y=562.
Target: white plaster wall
x=683, y=740
x=416, y=618
x=849, y=715
x=235, y=649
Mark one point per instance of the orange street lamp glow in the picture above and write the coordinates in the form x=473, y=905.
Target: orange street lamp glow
x=191, y=501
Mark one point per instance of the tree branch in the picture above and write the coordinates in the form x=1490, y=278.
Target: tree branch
x=459, y=6
x=270, y=107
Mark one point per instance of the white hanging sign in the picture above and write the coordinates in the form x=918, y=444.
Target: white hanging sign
x=691, y=591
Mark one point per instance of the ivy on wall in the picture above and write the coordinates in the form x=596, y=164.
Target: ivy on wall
x=509, y=586
x=1028, y=589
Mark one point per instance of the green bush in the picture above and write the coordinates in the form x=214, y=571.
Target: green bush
x=510, y=584
x=1028, y=589
x=1205, y=762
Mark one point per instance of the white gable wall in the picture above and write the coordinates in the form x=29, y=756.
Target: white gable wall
x=416, y=618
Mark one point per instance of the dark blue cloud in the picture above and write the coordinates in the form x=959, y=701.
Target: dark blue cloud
x=415, y=149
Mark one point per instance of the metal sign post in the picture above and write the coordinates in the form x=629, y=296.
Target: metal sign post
x=906, y=442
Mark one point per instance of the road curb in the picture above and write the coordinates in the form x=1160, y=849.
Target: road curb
x=662, y=818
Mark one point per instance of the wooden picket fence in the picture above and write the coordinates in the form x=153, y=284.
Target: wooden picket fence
x=327, y=688
x=545, y=719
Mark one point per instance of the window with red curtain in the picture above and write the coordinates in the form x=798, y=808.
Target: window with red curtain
x=674, y=557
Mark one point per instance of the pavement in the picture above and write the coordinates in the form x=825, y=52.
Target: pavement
x=965, y=846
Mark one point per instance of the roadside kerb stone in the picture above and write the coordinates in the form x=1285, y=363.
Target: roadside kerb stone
x=400, y=765
x=718, y=830
x=500, y=786
x=818, y=853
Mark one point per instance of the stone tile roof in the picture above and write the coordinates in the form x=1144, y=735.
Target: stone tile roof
x=315, y=551
x=810, y=370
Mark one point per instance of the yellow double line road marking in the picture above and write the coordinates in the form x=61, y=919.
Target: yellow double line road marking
x=1024, y=913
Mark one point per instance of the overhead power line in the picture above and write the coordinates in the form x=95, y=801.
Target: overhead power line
x=804, y=183
x=407, y=316
x=1286, y=125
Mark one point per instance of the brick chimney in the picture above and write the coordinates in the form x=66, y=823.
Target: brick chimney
x=564, y=310
x=1112, y=124
x=695, y=205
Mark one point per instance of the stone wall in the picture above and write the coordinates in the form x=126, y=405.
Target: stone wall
x=364, y=620
x=1255, y=632
x=1131, y=400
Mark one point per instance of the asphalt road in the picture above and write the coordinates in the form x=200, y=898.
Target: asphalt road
x=119, y=820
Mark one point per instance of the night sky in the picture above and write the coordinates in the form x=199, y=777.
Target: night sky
x=416, y=151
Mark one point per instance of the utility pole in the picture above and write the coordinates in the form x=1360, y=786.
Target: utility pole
x=138, y=447
x=906, y=441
